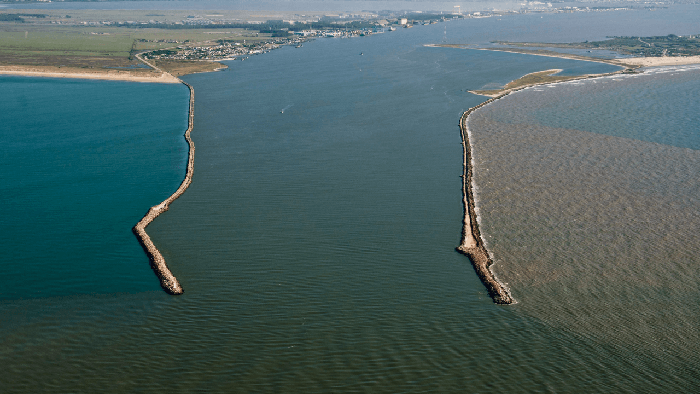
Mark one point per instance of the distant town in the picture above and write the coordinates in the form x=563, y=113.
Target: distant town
x=301, y=28
x=183, y=42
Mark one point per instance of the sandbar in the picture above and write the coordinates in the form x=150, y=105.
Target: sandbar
x=650, y=61
x=634, y=62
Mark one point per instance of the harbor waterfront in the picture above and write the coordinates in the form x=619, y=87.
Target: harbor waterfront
x=316, y=241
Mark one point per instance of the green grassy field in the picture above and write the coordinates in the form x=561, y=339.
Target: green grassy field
x=82, y=41
x=65, y=41
x=33, y=40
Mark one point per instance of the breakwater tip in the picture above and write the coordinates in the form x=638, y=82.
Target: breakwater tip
x=472, y=245
x=172, y=288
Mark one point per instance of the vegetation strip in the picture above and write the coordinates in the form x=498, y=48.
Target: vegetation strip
x=167, y=280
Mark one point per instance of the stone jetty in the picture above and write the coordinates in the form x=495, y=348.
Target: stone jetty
x=472, y=244
x=167, y=280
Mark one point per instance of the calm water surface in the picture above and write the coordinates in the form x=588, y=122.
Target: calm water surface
x=82, y=162
x=316, y=246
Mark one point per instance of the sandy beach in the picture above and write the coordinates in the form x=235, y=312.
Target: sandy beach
x=629, y=61
x=99, y=74
x=661, y=61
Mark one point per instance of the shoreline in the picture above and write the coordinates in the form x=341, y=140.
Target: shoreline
x=635, y=62
x=662, y=61
x=561, y=55
x=499, y=93
x=472, y=244
x=96, y=74
x=532, y=52
x=168, y=281
x=630, y=62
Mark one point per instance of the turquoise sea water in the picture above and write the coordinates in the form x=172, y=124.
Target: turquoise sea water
x=82, y=162
x=316, y=246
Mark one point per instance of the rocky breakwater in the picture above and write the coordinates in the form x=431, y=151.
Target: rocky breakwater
x=472, y=244
x=167, y=280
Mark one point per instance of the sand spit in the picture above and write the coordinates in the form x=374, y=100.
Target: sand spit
x=630, y=62
x=521, y=83
x=167, y=280
x=651, y=61
x=543, y=77
x=99, y=74
x=662, y=61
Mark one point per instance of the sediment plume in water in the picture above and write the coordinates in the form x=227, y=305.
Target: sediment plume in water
x=168, y=281
x=472, y=244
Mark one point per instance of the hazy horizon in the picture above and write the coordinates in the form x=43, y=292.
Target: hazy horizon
x=303, y=5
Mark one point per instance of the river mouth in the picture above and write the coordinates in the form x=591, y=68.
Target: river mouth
x=317, y=246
